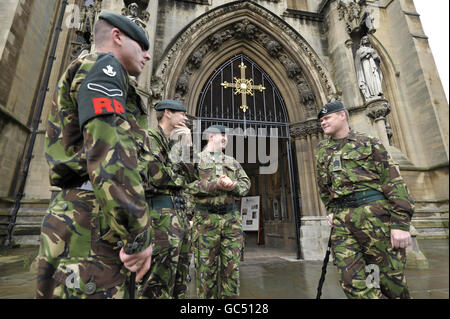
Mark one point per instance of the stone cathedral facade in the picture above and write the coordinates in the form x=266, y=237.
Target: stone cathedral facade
x=289, y=57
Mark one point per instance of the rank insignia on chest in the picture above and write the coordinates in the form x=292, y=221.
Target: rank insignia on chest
x=336, y=163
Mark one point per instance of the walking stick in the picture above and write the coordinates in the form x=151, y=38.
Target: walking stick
x=324, y=267
x=132, y=285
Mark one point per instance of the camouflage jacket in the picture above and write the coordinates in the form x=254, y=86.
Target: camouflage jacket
x=97, y=131
x=165, y=177
x=365, y=165
x=207, y=171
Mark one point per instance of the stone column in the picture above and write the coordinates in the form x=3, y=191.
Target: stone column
x=377, y=110
x=313, y=230
x=340, y=48
x=305, y=134
x=153, y=85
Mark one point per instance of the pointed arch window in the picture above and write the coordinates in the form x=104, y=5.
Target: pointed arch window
x=222, y=105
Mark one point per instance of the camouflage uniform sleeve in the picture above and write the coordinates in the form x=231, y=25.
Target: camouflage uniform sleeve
x=201, y=187
x=182, y=158
x=394, y=188
x=112, y=159
x=162, y=172
x=113, y=170
x=196, y=185
x=323, y=180
x=243, y=183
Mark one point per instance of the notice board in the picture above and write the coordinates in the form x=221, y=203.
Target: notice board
x=250, y=209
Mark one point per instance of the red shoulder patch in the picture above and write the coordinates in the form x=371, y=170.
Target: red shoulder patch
x=101, y=103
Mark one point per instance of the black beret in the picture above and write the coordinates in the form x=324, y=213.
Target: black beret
x=216, y=129
x=171, y=105
x=128, y=27
x=331, y=107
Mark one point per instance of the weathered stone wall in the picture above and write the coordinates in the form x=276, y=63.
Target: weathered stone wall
x=23, y=60
x=174, y=16
x=8, y=9
x=423, y=108
x=38, y=184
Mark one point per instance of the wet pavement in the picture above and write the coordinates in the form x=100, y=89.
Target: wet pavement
x=265, y=273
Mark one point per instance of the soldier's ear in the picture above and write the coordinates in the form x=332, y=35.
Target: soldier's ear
x=117, y=36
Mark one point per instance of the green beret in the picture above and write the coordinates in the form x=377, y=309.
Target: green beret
x=128, y=27
x=331, y=107
x=171, y=105
x=216, y=129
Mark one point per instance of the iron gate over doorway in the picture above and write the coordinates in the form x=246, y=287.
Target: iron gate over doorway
x=219, y=104
x=242, y=97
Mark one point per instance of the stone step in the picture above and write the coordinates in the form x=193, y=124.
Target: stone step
x=27, y=228
x=17, y=260
x=430, y=223
x=432, y=233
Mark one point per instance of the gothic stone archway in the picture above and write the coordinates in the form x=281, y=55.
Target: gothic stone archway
x=247, y=28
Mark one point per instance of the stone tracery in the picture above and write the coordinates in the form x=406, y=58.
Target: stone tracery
x=247, y=29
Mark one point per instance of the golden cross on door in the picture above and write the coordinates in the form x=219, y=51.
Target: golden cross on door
x=243, y=86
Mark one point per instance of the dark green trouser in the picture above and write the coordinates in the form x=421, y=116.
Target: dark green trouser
x=166, y=278
x=74, y=260
x=361, y=244
x=218, y=242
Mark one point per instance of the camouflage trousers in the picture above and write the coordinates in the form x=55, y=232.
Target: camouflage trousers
x=74, y=260
x=367, y=264
x=168, y=272
x=218, y=244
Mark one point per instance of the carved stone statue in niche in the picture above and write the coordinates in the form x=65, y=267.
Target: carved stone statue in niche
x=138, y=16
x=356, y=15
x=84, y=35
x=350, y=12
x=368, y=69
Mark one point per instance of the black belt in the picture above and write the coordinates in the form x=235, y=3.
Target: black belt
x=358, y=199
x=167, y=201
x=217, y=209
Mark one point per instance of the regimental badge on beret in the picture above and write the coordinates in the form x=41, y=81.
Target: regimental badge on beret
x=171, y=105
x=331, y=107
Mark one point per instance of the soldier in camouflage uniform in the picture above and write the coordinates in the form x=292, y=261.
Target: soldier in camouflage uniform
x=98, y=227
x=167, y=178
x=369, y=208
x=218, y=235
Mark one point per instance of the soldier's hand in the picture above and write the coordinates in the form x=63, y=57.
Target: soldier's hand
x=139, y=263
x=181, y=130
x=225, y=180
x=225, y=183
x=400, y=238
x=330, y=219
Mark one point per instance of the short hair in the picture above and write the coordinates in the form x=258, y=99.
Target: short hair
x=102, y=30
x=347, y=115
x=159, y=115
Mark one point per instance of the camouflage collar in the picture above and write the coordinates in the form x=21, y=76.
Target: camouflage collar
x=222, y=158
x=351, y=136
x=161, y=138
x=336, y=144
x=207, y=154
x=164, y=138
